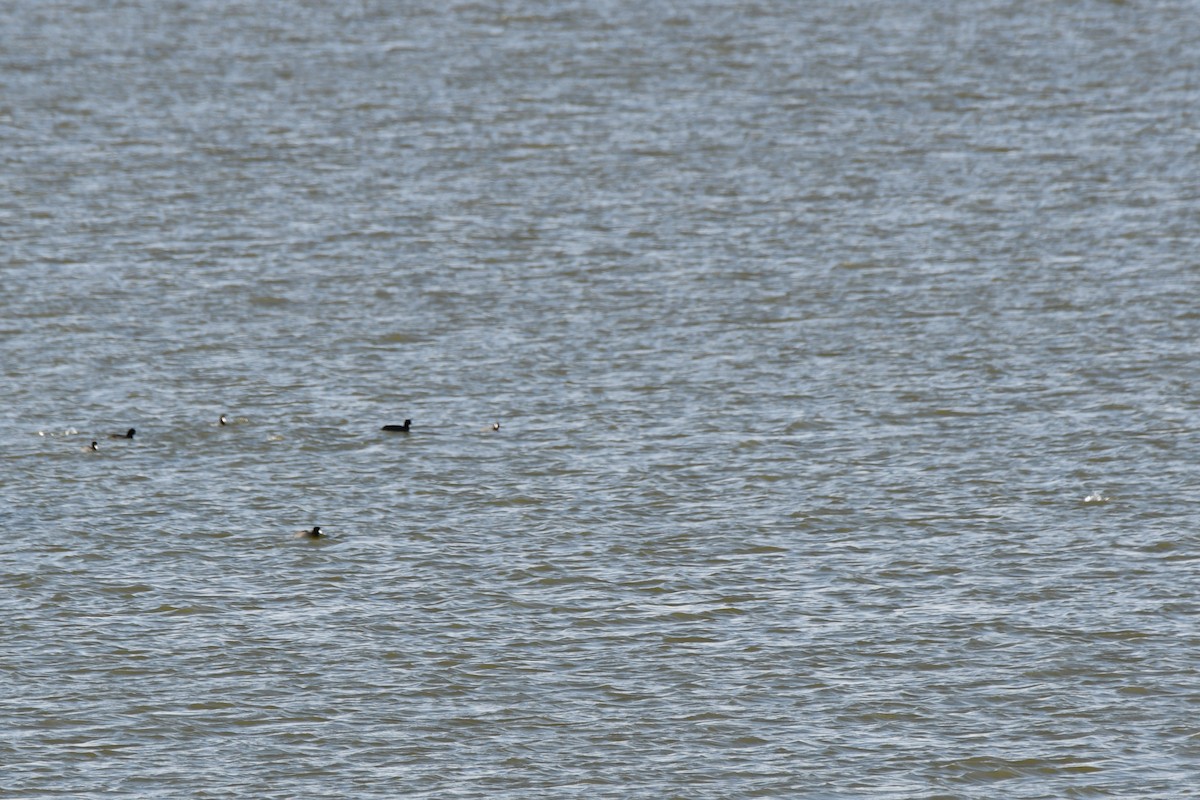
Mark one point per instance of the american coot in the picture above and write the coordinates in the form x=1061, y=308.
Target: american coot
x=315, y=533
x=126, y=435
x=398, y=428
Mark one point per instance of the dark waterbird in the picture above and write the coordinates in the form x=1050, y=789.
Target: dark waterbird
x=398, y=428
x=126, y=435
x=315, y=533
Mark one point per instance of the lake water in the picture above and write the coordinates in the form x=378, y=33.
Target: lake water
x=844, y=353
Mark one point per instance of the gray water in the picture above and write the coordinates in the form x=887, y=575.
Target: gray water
x=844, y=355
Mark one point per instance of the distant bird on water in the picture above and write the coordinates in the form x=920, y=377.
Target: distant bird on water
x=495, y=427
x=126, y=435
x=315, y=533
x=91, y=448
x=223, y=420
x=398, y=428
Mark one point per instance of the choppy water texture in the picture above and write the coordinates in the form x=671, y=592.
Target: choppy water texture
x=845, y=360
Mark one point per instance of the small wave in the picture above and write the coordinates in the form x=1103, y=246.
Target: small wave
x=59, y=434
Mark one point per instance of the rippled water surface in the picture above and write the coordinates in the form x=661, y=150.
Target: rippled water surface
x=844, y=355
